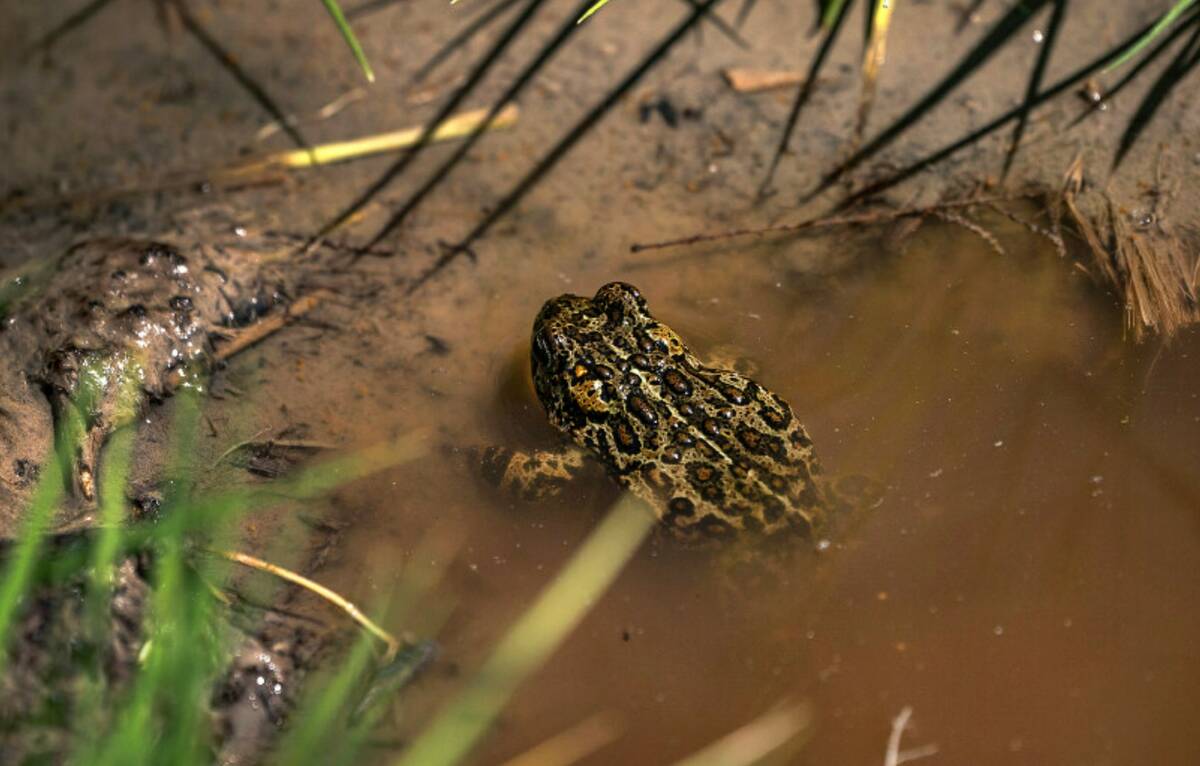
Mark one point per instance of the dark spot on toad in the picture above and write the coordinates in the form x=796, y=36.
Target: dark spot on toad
x=626, y=437
x=677, y=383
x=642, y=410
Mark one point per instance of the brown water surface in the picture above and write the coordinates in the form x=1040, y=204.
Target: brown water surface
x=1027, y=586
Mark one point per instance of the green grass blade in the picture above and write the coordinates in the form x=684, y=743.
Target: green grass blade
x=217, y=508
x=385, y=684
x=101, y=555
x=113, y=477
x=1179, y=68
x=588, y=13
x=186, y=642
x=339, y=18
x=1168, y=18
x=831, y=12
x=164, y=717
x=23, y=558
x=538, y=632
x=1163, y=44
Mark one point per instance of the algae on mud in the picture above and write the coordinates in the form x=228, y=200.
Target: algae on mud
x=109, y=309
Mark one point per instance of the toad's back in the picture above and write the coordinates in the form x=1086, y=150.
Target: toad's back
x=712, y=451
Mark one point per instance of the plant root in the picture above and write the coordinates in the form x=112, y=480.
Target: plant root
x=1135, y=249
x=246, y=560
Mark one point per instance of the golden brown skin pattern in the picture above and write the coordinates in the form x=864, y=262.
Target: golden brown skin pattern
x=714, y=453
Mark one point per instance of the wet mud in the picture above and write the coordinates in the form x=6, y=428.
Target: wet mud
x=96, y=331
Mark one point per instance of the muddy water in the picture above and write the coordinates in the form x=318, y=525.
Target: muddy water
x=1026, y=586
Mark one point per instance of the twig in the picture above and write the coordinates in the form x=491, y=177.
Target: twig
x=239, y=445
x=457, y=126
x=218, y=594
x=758, y=80
x=899, y=724
x=895, y=756
x=334, y=245
x=254, y=333
x=972, y=227
x=324, y=113
x=1053, y=233
x=270, y=168
x=307, y=444
x=246, y=560
x=297, y=444
x=266, y=326
x=1071, y=188
x=818, y=223
x=1155, y=273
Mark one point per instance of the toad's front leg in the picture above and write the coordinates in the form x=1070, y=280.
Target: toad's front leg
x=533, y=475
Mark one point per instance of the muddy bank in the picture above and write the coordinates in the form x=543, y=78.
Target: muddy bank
x=98, y=331
x=168, y=105
x=95, y=343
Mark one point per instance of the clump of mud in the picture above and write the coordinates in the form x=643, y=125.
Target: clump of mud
x=89, y=338
x=106, y=310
